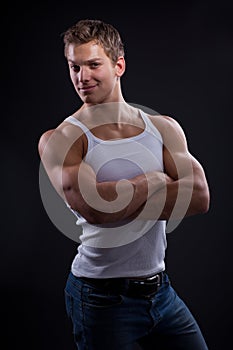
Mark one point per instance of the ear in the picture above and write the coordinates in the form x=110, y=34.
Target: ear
x=120, y=66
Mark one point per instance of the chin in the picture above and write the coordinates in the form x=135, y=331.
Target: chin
x=91, y=100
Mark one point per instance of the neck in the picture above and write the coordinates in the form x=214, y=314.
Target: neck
x=116, y=113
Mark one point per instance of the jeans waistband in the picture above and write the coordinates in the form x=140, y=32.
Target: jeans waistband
x=133, y=286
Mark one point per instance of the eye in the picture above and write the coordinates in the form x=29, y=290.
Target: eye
x=94, y=65
x=75, y=68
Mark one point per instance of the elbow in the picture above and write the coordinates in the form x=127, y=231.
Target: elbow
x=92, y=217
x=204, y=205
x=203, y=200
x=95, y=217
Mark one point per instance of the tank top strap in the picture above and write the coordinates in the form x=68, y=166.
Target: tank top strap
x=86, y=131
x=150, y=127
x=74, y=121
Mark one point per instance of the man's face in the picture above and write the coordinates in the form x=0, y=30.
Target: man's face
x=92, y=73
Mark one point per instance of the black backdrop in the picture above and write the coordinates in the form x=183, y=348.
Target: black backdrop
x=179, y=62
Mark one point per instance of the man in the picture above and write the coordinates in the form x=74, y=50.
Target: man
x=126, y=175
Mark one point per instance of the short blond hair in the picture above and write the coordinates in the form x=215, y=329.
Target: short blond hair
x=103, y=33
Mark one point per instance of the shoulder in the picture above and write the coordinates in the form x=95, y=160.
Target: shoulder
x=164, y=121
x=66, y=136
x=43, y=140
x=172, y=133
x=168, y=126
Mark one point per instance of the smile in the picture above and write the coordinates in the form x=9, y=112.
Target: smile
x=87, y=88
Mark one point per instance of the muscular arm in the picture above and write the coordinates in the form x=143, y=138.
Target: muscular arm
x=61, y=152
x=186, y=193
x=153, y=195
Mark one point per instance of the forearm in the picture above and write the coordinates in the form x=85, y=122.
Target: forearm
x=107, y=202
x=112, y=201
x=179, y=199
x=152, y=196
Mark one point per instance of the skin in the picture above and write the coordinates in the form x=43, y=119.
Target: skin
x=97, y=81
x=93, y=75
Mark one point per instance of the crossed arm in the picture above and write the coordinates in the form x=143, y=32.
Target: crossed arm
x=181, y=190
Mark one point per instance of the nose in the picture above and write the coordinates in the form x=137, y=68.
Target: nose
x=84, y=74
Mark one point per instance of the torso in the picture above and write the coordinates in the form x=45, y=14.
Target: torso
x=106, y=127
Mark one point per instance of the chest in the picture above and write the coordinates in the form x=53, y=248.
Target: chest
x=125, y=158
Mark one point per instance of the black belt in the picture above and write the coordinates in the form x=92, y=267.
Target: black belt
x=133, y=287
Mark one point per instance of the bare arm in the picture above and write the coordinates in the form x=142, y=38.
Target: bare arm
x=154, y=195
x=61, y=152
x=186, y=192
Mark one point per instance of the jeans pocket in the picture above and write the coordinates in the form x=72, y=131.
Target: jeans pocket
x=100, y=300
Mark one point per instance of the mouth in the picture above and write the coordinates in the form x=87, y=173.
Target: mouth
x=88, y=88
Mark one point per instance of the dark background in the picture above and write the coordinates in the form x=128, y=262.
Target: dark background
x=180, y=63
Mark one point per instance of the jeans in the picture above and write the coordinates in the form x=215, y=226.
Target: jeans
x=103, y=321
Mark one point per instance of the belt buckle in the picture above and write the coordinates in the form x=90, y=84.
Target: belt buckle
x=145, y=288
x=152, y=278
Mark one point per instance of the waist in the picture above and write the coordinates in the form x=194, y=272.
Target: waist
x=130, y=286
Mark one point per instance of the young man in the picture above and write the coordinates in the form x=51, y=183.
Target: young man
x=126, y=175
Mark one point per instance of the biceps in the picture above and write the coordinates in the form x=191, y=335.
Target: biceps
x=78, y=183
x=74, y=176
x=178, y=165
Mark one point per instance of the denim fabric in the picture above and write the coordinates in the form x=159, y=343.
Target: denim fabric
x=103, y=321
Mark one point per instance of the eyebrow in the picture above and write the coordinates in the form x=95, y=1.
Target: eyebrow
x=87, y=61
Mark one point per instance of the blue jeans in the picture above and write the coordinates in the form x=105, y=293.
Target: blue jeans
x=117, y=322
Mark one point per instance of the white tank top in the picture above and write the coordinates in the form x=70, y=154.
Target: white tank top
x=135, y=248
